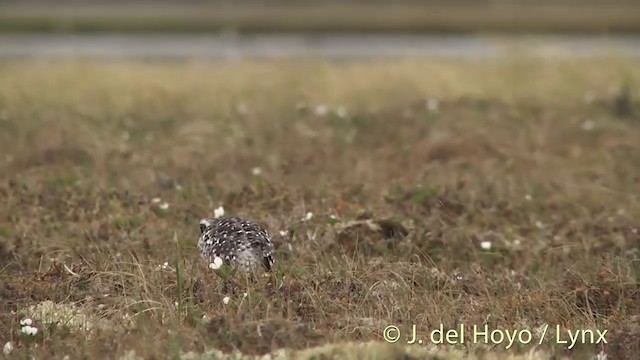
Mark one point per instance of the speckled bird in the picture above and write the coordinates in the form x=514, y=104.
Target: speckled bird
x=240, y=243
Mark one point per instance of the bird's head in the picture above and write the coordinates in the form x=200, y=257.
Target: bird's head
x=205, y=225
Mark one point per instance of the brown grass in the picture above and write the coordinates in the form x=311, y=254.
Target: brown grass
x=432, y=159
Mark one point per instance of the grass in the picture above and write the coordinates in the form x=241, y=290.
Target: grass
x=324, y=17
x=502, y=193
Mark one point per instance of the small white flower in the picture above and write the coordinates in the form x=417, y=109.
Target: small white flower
x=634, y=230
x=528, y=197
x=321, y=110
x=164, y=206
x=156, y=200
x=26, y=322
x=311, y=235
x=8, y=348
x=516, y=242
x=226, y=299
x=256, y=171
x=205, y=319
x=289, y=246
x=309, y=216
x=164, y=266
x=341, y=112
x=588, y=125
x=433, y=104
x=244, y=295
x=179, y=187
x=218, y=212
x=486, y=245
x=29, y=330
x=216, y=264
x=284, y=233
x=539, y=224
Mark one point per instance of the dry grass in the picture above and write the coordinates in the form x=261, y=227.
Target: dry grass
x=325, y=17
x=436, y=160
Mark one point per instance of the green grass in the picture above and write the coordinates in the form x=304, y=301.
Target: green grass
x=323, y=17
x=410, y=169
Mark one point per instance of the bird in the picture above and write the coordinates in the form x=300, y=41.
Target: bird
x=240, y=243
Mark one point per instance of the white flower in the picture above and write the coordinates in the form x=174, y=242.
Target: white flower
x=205, y=319
x=216, y=264
x=309, y=216
x=284, y=233
x=588, y=125
x=341, y=112
x=29, y=330
x=164, y=206
x=321, y=110
x=245, y=295
x=433, y=104
x=539, y=224
x=226, y=299
x=164, y=266
x=256, y=171
x=486, y=245
x=528, y=197
x=219, y=212
x=8, y=348
x=311, y=235
x=26, y=322
x=156, y=200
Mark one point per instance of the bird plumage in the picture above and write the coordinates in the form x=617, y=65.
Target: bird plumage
x=240, y=243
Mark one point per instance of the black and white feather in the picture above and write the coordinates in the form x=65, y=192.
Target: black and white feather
x=237, y=242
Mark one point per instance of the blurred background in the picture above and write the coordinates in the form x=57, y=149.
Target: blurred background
x=501, y=191
x=348, y=28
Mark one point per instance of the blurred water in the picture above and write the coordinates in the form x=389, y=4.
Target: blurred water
x=333, y=46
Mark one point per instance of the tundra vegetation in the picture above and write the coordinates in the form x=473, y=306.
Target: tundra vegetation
x=502, y=193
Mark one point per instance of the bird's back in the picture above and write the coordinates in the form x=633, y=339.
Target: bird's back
x=238, y=242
